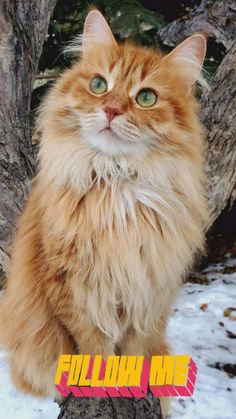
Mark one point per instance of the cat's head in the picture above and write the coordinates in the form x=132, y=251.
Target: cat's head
x=123, y=99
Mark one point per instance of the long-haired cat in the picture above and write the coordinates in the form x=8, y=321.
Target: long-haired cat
x=117, y=210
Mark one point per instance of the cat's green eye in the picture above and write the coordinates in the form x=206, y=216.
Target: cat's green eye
x=98, y=85
x=146, y=98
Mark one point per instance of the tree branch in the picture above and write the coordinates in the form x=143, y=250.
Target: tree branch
x=214, y=18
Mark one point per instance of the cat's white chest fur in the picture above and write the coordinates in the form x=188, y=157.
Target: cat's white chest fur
x=130, y=179
x=130, y=273
x=136, y=178
x=134, y=183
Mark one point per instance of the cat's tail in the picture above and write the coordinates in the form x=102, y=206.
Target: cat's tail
x=34, y=343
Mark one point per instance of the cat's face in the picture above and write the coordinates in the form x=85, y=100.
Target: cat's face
x=124, y=99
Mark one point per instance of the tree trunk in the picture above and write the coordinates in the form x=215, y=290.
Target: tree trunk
x=110, y=408
x=23, y=26
x=219, y=117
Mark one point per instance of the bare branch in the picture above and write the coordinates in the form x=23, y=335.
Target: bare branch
x=214, y=18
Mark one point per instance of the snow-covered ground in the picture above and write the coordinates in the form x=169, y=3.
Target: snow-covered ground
x=14, y=405
x=198, y=327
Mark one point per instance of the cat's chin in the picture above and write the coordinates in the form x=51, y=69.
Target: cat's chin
x=110, y=144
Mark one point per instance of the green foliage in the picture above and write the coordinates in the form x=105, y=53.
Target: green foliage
x=128, y=19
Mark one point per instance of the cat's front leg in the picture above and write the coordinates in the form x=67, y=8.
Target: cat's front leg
x=89, y=339
x=93, y=341
x=132, y=343
x=71, y=310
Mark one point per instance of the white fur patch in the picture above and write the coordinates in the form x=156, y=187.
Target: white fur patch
x=94, y=133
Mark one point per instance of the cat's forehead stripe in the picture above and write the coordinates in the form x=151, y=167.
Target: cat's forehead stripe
x=132, y=74
x=113, y=75
x=135, y=89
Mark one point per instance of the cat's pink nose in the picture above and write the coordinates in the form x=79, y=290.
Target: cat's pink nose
x=112, y=112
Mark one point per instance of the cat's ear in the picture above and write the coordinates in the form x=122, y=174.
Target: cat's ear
x=191, y=54
x=96, y=30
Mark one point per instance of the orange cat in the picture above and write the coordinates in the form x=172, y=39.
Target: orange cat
x=117, y=210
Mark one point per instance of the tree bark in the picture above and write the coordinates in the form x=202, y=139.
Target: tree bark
x=110, y=408
x=24, y=25
x=215, y=18
x=219, y=117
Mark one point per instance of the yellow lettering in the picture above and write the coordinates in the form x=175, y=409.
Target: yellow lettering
x=75, y=368
x=130, y=371
x=111, y=371
x=95, y=382
x=83, y=380
x=162, y=370
x=63, y=365
x=181, y=370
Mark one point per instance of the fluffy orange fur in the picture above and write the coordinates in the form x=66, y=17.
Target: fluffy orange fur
x=114, y=219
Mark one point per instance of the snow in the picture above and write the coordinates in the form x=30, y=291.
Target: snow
x=14, y=404
x=197, y=332
x=193, y=328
